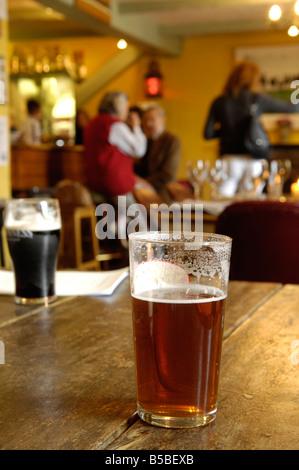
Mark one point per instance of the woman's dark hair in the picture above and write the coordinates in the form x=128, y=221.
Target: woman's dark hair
x=32, y=106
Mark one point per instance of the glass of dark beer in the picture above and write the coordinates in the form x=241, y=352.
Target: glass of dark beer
x=179, y=289
x=33, y=229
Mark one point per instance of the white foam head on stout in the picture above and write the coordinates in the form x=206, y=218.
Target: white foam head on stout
x=39, y=224
x=31, y=219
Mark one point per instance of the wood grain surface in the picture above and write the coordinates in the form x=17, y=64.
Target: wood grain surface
x=69, y=382
x=258, y=398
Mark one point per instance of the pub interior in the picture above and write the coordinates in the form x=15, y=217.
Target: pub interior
x=67, y=367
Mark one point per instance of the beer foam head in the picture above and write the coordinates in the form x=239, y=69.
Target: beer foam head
x=33, y=215
x=204, y=258
x=157, y=273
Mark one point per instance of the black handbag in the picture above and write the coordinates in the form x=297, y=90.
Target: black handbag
x=256, y=139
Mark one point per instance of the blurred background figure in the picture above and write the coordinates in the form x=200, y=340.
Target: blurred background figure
x=31, y=129
x=229, y=118
x=15, y=133
x=134, y=110
x=82, y=120
x=160, y=164
x=111, y=146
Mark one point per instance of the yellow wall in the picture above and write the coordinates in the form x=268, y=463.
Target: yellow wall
x=4, y=170
x=191, y=81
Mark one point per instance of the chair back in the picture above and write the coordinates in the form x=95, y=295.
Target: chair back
x=78, y=246
x=265, y=240
x=72, y=194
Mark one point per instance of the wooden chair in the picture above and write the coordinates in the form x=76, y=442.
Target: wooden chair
x=79, y=247
x=265, y=240
x=85, y=216
x=179, y=192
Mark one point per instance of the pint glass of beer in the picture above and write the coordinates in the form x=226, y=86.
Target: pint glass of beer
x=179, y=289
x=33, y=229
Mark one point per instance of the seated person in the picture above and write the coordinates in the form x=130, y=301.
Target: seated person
x=110, y=147
x=160, y=164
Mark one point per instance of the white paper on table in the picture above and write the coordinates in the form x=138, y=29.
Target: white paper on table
x=72, y=283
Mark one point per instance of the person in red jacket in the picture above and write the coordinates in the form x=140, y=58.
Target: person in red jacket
x=111, y=146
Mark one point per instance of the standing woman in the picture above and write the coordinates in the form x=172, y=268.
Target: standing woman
x=229, y=117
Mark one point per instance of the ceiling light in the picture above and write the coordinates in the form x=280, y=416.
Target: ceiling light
x=154, y=80
x=275, y=13
x=293, y=31
x=122, y=44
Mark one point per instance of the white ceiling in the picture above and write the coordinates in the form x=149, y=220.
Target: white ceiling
x=185, y=17
x=153, y=22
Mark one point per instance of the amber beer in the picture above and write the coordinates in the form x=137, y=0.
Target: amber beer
x=177, y=353
x=179, y=288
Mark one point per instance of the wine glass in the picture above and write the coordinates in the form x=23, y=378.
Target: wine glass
x=218, y=173
x=197, y=173
x=280, y=171
x=255, y=177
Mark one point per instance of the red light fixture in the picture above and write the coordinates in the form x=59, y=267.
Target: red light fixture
x=153, y=81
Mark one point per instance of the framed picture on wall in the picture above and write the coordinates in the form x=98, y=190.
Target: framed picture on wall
x=279, y=67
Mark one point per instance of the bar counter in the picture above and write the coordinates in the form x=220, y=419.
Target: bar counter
x=45, y=165
x=68, y=380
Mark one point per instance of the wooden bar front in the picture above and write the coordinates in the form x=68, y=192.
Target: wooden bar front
x=44, y=165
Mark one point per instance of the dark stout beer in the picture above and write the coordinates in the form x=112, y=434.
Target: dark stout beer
x=34, y=257
x=178, y=339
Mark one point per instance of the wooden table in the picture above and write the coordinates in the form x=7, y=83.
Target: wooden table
x=68, y=380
